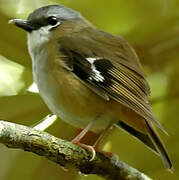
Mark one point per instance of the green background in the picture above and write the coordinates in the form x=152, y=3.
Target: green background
x=150, y=26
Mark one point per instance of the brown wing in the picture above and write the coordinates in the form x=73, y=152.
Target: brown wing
x=110, y=67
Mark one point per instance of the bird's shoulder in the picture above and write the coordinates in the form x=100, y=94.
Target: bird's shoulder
x=109, y=51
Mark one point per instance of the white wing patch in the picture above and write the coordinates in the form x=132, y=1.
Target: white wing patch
x=96, y=75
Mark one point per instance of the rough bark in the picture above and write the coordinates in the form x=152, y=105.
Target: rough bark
x=65, y=153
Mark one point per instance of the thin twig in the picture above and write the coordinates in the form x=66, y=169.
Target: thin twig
x=65, y=153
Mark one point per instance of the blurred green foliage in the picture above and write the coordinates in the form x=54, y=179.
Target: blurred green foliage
x=152, y=27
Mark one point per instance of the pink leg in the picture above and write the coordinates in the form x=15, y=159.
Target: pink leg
x=95, y=146
x=98, y=141
x=77, y=139
x=100, y=138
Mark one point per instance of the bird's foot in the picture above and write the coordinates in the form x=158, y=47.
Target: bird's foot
x=87, y=147
x=94, y=149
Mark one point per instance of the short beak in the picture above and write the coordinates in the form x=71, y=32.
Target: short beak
x=24, y=24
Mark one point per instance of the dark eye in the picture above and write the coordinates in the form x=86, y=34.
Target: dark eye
x=52, y=20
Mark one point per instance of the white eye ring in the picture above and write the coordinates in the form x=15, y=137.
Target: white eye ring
x=52, y=27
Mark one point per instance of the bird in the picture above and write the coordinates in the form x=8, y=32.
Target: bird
x=91, y=79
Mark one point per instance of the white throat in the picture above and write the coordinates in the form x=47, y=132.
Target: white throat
x=36, y=41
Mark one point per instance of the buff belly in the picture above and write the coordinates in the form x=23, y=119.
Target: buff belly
x=71, y=100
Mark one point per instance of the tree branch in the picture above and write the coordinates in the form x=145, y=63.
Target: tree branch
x=65, y=153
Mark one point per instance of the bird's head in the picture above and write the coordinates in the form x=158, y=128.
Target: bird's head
x=49, y=23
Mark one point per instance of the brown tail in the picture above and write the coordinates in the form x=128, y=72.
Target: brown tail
x=152, y=140
x=159, y=146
